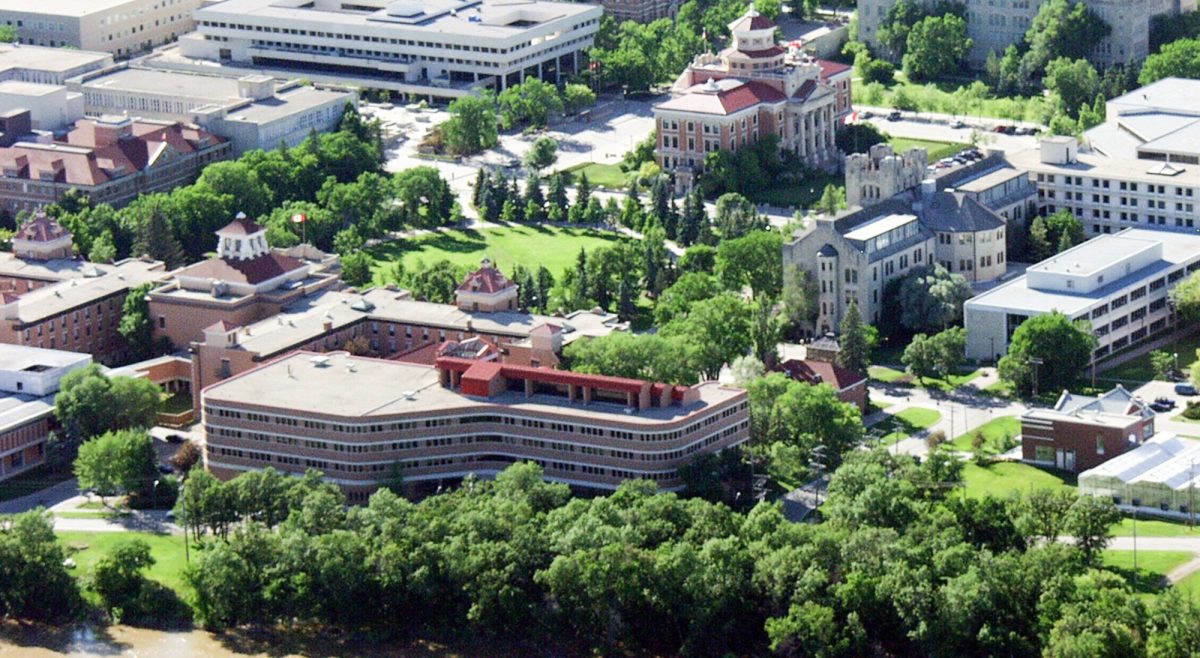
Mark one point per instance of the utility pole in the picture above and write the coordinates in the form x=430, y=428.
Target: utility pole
x=1192, y=494
x=1036, y=362
x=1135, y=569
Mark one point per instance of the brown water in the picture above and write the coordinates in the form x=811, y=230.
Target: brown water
x=79, y=641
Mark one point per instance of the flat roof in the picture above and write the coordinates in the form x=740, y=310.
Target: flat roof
x=989, y=180
x=1017, y=296
x=470, y=18
x=59, y=269
x=1096, y=165
x=878, y=226
x=287, y=103
x=39, y=58
x=1174, y=94
x=340, y=385
x=19, y=88
x=1094, y=255
x=168, y=83
x=62, y=7
x=50, y=301
x=15, y=358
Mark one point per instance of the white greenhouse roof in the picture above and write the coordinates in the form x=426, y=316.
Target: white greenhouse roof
x=1158, y=460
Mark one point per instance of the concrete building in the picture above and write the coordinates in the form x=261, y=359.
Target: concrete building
x=995, y=25
x=754, y=88
x=443, y=48
x=641, y=11
x=51, y=107
x=111, y=160
x=1081, y=431
x=254, y=111
x=120, y=27
x=356, y=419
x=1118, y=283
x=48, y=66
x=29, y=378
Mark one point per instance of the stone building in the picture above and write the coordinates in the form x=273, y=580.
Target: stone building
x=753, y=88
x=994, y=25
x=881, y=173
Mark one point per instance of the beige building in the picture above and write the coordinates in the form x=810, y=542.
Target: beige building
x=754, y=88
x=120, y=27
x=359, y=420
x=994, y=25
x=641, y=11
x=48, y=66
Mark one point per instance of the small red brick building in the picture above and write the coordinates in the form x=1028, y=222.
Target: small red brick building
x=850, y=386
x=1083, y=431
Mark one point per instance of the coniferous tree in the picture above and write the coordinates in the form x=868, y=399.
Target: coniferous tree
x=154, y=239
x=583, y=190
x=632, y=216
x=693, y=219
x=558, y=195
x=1038, y=243
x=625, y=306
x=855, y=353
x=481, y=185
x=582, y=287
x=545, y=281
x=671, y=221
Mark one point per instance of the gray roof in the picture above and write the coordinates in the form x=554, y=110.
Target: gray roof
x=955, y=212
x=1118, y=401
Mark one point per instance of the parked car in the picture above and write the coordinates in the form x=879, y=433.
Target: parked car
x=1162, y=404
x=165, y=469
x=958, y=124
x=175, y=438
x=998, y=129
x=894, y=116
x=1185, y=389
x=867, y=115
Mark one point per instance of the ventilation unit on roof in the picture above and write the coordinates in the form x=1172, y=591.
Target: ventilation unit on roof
x=409, y=395
x=320, y=361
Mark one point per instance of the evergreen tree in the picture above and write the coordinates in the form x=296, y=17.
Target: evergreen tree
x=545, y=281
x=1065, y=242
x=583, y=190
x=654, y=254
x=558, y=195
x=693, y=218
x=631, y=213
x=154, y=239
x=533, y=212
x=659, y=200
x=855, y=351
x=582, y=287
x=533, y=192
x=509, y=214
x=497, y=194
x=594, y=213
x=625, y=305
x=1038, y=244
x=612, y=211
x=671, y=221
x=480, y=190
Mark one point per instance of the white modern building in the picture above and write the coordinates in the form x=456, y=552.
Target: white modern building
x=48, y=66
x=1118, y=283
x=51, y=107
x=442, y=48
x=254, y=111
x=1160, y=475
x=29, y=378
x=120, y=27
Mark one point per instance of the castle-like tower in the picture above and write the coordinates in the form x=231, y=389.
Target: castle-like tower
x=881, y=173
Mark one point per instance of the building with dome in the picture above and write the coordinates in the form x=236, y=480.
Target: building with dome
x=753, y=88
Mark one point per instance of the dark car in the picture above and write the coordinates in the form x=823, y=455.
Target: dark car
x=998, y=129
x=1185, y=389
x=175, y=438
x=1162, y=405
x=894, y=116
x=165, y=469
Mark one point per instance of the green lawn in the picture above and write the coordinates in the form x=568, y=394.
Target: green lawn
x=601, y=175
x=804, y=194
x=177, y=403
x=531, y=246
x=1152, y=567
x=888, y=375
x=995, y=431
x=1139, y=370
x=30, y=481
x=167, y=551
x=940, y=97
x=1190, y=584
x=891, y=375
x=1154, y=528
x=906, y=423
x=935, y=150
x=1002, y=479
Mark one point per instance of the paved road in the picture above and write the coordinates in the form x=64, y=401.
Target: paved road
x=937, y=127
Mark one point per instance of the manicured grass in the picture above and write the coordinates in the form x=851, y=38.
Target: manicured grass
x=531, y=246
x=177, y=403
x=940, y=97
x=904, y=424
x=935, y=150
x=167, y=551
x=1190, y=584
x=877, y=406
x=888, y=375
x=31, y=481
x=601, y=175
x=1002, y=479
x=995, y=431
x=1152, y=567
x=891, y=375
x=1139, y=370
x=1154, y=528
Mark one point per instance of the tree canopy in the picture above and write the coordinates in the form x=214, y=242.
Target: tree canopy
x=90, y=403
x=1064, y=349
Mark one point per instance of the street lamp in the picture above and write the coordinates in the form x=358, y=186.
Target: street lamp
x=154, y=494
x=1175, y=355
x=1036, y=362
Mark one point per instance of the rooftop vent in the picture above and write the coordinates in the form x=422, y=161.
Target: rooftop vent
x=319, y=361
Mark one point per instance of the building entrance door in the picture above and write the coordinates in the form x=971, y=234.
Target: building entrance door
x=1065, y=460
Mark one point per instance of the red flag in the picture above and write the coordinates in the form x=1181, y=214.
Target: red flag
x=299, y=218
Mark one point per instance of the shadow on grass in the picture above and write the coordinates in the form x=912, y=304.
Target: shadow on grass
x=1142, y=581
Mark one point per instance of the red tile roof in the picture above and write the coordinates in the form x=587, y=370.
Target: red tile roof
x=486, y=279
x=221, y=325
x=240, y=226
x=830, y=69
x=755, y=22
x=816, y=372
x=252, y=271
x=805, y=90
x=42, y=228
x=733, y=96
x=545, y=375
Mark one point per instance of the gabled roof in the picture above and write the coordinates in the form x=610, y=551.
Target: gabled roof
x=818, y=372
x=724, y=97
x=250, y=271
x=955, y=212
x=1116, y=401
x=752, y=20
x=221, y=325
x=240, y=225
x=546, y=328
x=42, y=228
x=487, y=280
x=830, y=69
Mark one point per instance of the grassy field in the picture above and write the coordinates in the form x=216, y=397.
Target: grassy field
x=935, y=150
x=531, y=246
x=600, y=175
x=1190, y=584
x=995, y=431
x=86, y=548
x=891, y=375
x=1004, y=478
x=942, y=97
x=906, y=423
x=1152, y=567
x=1139, y=370
x=1155, y=528
x=804, y=194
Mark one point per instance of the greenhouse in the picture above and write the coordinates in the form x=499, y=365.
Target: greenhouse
x=1161, y=474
